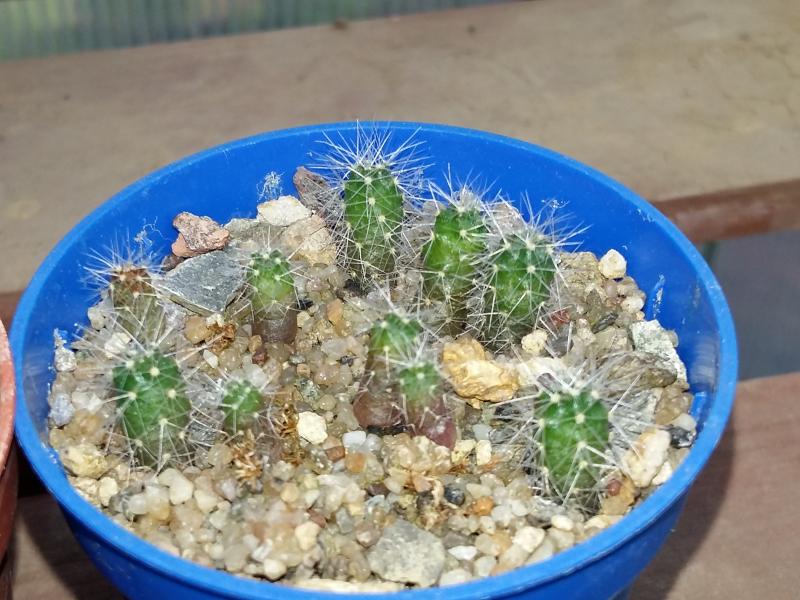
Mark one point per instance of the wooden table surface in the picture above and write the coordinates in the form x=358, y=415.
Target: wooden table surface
x=675, y=99
x=736, y=539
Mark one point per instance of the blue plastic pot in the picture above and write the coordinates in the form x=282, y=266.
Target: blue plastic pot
x=222, y=182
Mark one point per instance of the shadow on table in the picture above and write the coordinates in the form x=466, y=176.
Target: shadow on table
x=699, y=514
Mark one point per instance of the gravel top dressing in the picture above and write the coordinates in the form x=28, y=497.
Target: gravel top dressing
x=374, y=385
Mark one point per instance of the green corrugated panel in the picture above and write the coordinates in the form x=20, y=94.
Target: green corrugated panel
x=40, y=27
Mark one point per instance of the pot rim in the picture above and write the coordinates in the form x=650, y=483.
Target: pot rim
x=45, y=462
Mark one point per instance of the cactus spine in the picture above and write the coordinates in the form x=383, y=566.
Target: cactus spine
x=151, y=395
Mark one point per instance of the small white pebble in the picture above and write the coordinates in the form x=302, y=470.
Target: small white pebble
x=481, y=431
x=461, y=450
x=180, y=490
x=218, y=519
x=488, y=525
x=216, y=551
x=97, y=317
x=483, y=452
x=206, y=501
x=484, y=566
x=513, y=557
x=211, y=359
x=306, y=535
x=663, y=474
x=601, y=521
x=107, y=487
x=685, y=421
x=464, y=552
x=562, y=522
x=478, y=490
x=519, y=508
x=282, y=211
x=502, y=515
x=137, y=504
x=290, y=493
x=613, y=265
x=274, y=569
x=116, y=344
x=562, y=539
x=545, y=550
x=534, y=343
x=455, y=577
x=354, y=439
x=632, y=304
x=65, y=359
x=486, y=544
x=644, y=460
x=529, y=538
x=311, y=427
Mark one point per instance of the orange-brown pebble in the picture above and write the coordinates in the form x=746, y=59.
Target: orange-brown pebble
x=335, y=453
x=481, y=507
x=355, y=462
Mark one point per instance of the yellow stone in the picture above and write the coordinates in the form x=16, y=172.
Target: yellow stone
x=476, y=377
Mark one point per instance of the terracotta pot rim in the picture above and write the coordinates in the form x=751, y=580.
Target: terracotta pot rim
x=7, y=397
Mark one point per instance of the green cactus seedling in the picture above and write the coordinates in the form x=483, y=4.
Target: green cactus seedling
x=518, y=283
x=373, y=215
x=392, y=340
x=272, y=284
x=575, y=435
x=273, y=297
x=451, y=257
x=135, y=303
x=151, y=395
x=422, y=393
x=241, y=405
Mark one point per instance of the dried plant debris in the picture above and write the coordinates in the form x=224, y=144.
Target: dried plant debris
x=376, y=385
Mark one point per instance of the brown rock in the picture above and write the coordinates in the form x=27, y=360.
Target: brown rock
x=621, y=495
x=197, y=235
x=335, y=453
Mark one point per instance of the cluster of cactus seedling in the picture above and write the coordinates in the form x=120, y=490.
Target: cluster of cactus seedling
x=475, y=276
x=403, y=388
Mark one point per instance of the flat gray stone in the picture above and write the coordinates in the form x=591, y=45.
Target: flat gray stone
x=205, y=284
x=650, y=337
x=407, y=554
